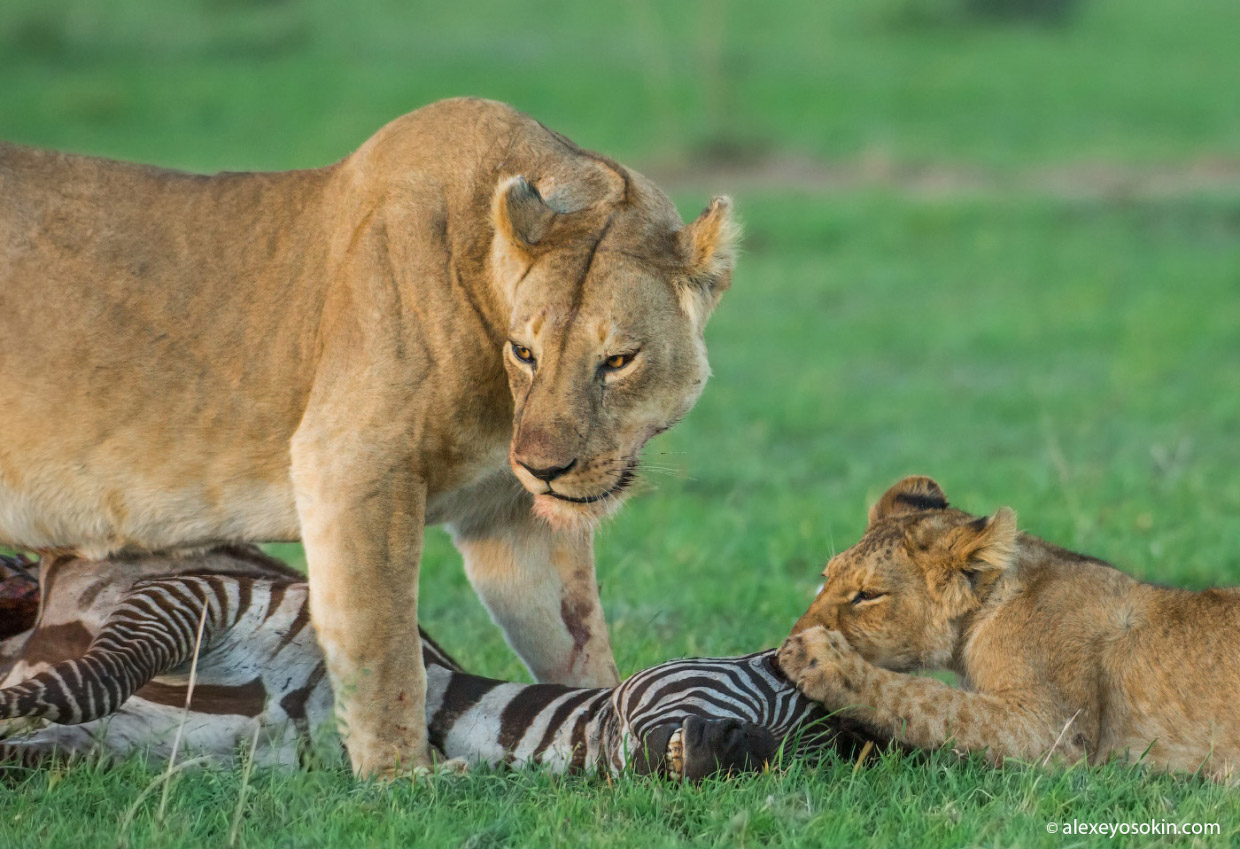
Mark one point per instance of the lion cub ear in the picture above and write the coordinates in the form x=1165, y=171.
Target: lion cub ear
x=911, y=495
x=986, y=544
x=709, y=245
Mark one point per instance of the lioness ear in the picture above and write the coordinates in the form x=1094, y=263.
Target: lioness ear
x=709, y=244
x=911, y=495
x=521, y=215
x=986, y=544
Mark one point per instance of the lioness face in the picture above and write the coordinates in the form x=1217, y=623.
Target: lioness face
x=900, y=594
x=605, y=345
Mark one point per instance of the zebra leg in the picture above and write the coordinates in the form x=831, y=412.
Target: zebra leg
x=152, y=631
x=53, y=744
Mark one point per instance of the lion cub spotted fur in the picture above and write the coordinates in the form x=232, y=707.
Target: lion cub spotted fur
x=1059, y=654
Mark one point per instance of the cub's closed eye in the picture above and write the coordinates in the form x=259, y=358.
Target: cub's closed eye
x=522, y=353
x=866, y=595
x=618, y=361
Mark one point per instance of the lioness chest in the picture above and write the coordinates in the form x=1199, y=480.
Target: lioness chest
x=152, y=485
x=98, y=517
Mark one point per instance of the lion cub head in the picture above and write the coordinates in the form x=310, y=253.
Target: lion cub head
x=899, y=595
x=609, y=298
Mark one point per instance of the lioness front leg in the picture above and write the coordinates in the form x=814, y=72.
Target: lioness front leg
x=540, y=588
x=918, y=711
x=362, y=526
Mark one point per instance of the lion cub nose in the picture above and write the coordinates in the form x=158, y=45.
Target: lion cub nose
x=547, y=474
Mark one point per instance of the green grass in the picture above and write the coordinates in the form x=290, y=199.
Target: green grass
x=894, y=802
x=275, y=84
x=1075, y=357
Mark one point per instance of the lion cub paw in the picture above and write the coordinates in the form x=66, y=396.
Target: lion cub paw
x=449, y=767
x=820, y=662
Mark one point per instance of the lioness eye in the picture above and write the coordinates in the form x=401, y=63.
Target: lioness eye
x=522, y=353
x=865, y=595
x=618, y=361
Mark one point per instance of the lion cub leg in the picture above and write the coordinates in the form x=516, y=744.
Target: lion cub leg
x=539, y=587
x=921, y=712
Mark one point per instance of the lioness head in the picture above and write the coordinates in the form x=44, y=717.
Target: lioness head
x=899, y=594
x=608, y=303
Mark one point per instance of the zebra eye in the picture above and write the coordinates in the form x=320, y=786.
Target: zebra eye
x=866, y=595
x=522, y=353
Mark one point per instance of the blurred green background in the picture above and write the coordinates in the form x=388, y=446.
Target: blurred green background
x=994, y=241
x=214, y=84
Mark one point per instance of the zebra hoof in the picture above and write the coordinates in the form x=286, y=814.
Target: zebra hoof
x=722, y=746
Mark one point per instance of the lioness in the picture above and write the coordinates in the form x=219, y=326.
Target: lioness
x=468, y=321
x=1060, y=653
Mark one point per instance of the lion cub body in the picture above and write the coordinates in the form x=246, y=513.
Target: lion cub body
x=1058, y=653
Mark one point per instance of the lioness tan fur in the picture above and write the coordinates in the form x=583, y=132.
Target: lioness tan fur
x=1059, y=654
x=468, y=321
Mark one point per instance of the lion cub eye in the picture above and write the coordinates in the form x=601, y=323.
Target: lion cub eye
x=865, y=595
x=618, y=361
x=522, y=353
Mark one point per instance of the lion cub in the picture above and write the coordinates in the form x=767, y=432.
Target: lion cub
x=1059, y=654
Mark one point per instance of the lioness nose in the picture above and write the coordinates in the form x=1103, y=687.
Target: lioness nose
x=548, y=474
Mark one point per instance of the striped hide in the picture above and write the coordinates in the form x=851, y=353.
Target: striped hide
x=107, y=669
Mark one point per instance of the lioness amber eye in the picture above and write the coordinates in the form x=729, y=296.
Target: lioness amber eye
x=864, y=595
x=617, y=362
x=522, y=353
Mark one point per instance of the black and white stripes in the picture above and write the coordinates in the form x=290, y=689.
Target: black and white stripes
x=748, y=688
x=259, y=665
x=154, y=630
